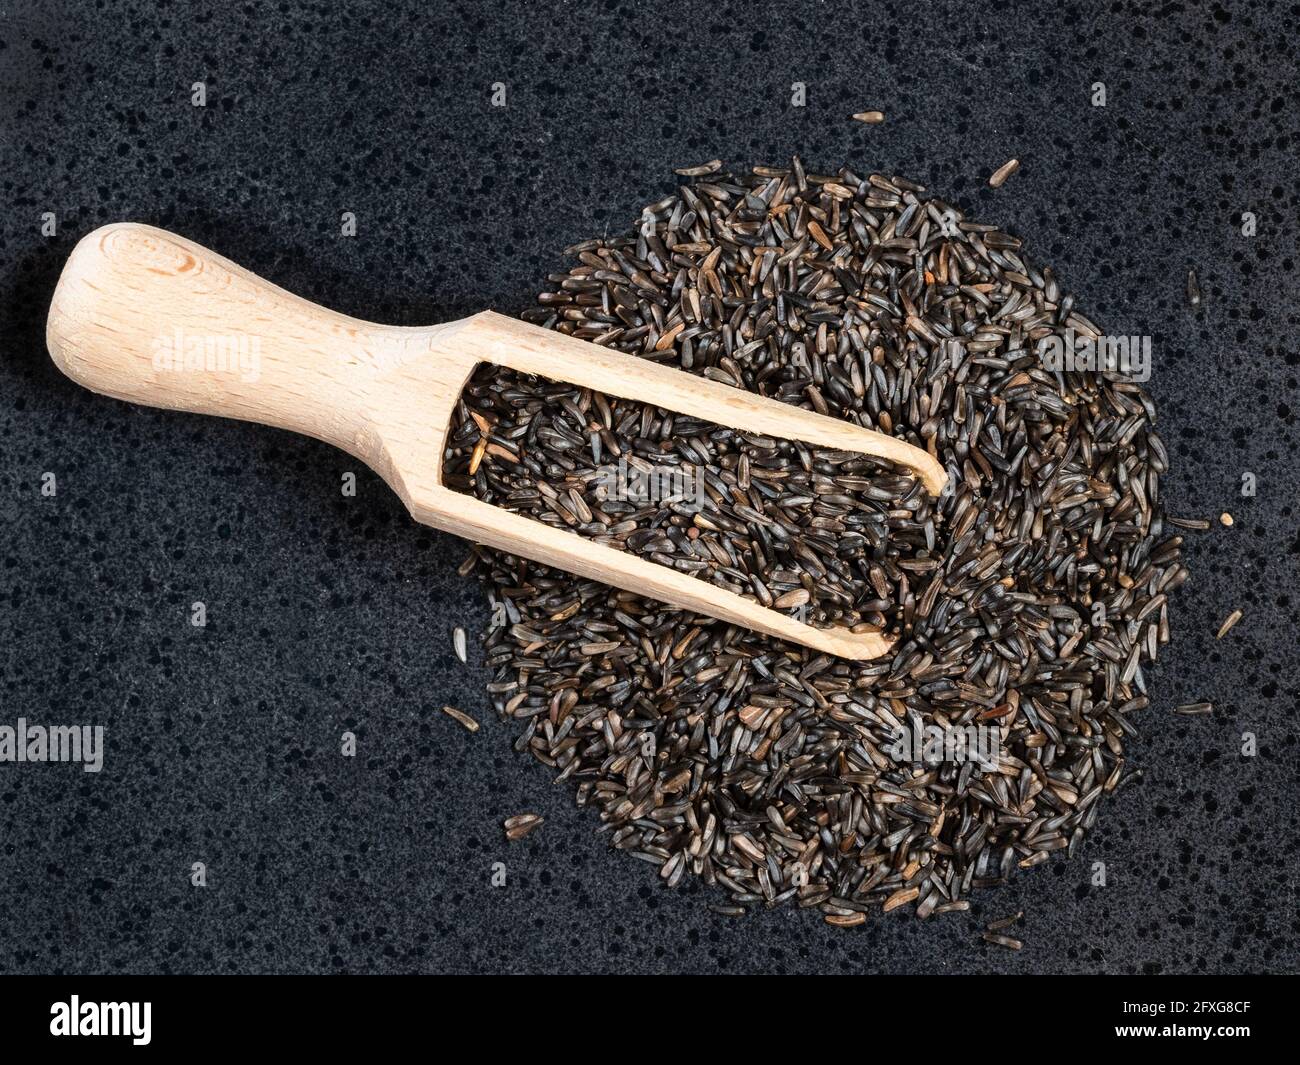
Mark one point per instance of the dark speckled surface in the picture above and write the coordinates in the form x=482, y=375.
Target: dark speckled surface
x=329, y=614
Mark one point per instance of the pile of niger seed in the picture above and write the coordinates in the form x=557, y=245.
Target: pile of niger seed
x=1029, y=604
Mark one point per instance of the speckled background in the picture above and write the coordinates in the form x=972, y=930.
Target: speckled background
x=329, y=614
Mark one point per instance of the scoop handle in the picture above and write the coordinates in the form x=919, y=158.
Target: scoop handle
x=144, y=315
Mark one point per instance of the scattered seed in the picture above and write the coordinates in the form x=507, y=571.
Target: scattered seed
x=520, y=825
x=711, y=167
x=1190, y=523
x=848, y=920
x=1228, y=622
x=1002, y=941
x=458, y=643
x=1192, y=709
x=1004, y=922
x=1225, y=519
x=1193, y=289
x=871, y=118
x=462, y=717
x=1003, y=172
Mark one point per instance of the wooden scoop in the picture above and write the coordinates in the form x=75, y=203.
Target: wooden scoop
x=147, y=316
